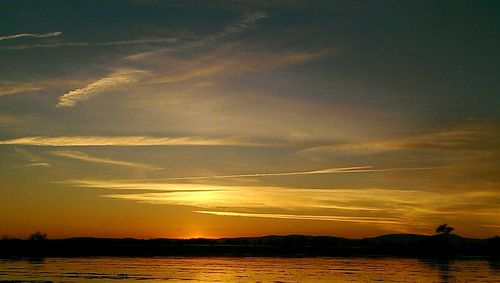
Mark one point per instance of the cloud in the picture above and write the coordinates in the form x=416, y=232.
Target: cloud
x=38, y=164
x=251, y=197
x=125, y=141
x=368, y=199
x=340, y=170
x=491, y=226
x=163, y=66
x=13, y=88
x=159, y=40
x=9, y=119
x=144, y=186
x=373, y=220
x=84, y=157
x=159, y=67
x=33, y=35
x=117, y=78
x=369, y=205
x=17, y=87
x=33, y=159
x=226, y=60
x=247, y=21
x=477, y=135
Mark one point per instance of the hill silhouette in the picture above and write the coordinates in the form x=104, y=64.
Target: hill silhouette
x=291, y=245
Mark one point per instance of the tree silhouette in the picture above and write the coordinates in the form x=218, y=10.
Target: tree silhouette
x=38, y=236
x=444, y=229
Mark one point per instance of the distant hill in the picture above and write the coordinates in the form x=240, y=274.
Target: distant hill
x=291, y=245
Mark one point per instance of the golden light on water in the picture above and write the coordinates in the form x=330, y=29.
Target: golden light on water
x=250, y=269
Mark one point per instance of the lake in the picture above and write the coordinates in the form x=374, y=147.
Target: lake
x=248, y=269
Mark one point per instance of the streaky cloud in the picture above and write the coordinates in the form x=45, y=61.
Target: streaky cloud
x=117, y=78
x=33, y=35
x=85, y=157
x=9, y=119
x=247, y=21
x=227, y=60
x=362, y=204
x=20, y=87
x=477, y=135
x=160, y=40
x=339, y=170
x=62, y=141
x=13, y=88
x=148, y=186
x=32, y=159
x=372, y=220
x=37, y=164
x=491, y=226
x=161, y=70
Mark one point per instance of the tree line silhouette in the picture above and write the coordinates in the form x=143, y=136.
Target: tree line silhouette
x=442, y=244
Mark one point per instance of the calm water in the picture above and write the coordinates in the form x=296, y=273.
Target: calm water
x=251, y=269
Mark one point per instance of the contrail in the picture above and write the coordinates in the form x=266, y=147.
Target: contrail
x=368, y=219
x=340, y=170
x=21, y=35
x=231, y=30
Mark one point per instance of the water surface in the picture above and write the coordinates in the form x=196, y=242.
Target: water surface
x=248, y=269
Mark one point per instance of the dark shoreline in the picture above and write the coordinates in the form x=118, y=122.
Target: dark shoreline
x=400, y=245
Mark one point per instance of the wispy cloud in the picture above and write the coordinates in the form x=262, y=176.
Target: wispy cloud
x=143, y=186
x=374, y=220
x=226, y=60
x=33, y=159
x=247, y=21
x=9, y=119
x=85, y=157
x=258, y=197
x=368, y=205
x=117, y=78
x=491, y=226
x=469, y=136
x=38, y=164
x=163, y=66
x=126, y=141
x=340, y=170
x=32, y=35
x=157, y=68
x=13, y=88
x=227, y=64
x=369, y=199
x=19, y=87
x=159, y=40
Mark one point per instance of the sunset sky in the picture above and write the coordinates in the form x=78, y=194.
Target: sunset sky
x=244, y=118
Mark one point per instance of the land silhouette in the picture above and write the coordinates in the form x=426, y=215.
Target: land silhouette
x=444, y=229
x=443, y=244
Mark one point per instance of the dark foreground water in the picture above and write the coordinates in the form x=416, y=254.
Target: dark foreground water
x=248, y=269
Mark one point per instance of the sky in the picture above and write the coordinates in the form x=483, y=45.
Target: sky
x=213, y=119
